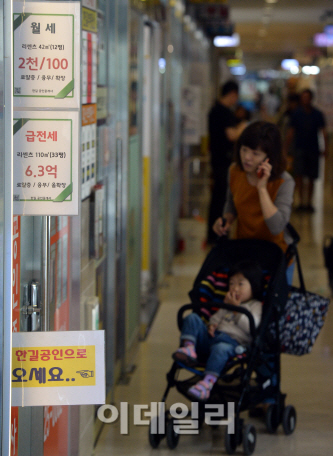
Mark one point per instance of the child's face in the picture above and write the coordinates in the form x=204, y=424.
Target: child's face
x=240, y=287
x=251, y=159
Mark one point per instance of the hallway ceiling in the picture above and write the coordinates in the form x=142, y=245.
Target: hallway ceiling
x=272, y=31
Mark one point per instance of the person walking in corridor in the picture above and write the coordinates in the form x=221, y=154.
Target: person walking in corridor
x=224, y=130
x=305, y=125
x=260, y=191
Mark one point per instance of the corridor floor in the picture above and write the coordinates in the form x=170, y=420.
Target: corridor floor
x=306, y=380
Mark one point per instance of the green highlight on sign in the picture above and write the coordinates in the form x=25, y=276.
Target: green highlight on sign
x=20, y=19
x=19, y=124
x=66, y=90
x=64, y=194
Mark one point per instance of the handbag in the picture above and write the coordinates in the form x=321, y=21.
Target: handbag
x=301, y=319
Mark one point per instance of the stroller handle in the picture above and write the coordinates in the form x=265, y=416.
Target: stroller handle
x=221, y=305
x=293, y=233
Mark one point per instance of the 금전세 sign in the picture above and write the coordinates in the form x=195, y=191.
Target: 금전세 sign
x=45, y=163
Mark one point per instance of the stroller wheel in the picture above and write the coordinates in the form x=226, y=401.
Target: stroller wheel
x=154, y=438
x=289, y=419
x=249, y=439
x=171, y=435
x=272, y=419
x=230, y=441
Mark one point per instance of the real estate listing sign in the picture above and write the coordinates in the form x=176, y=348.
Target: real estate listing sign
x=45, y=163
x=46, y=55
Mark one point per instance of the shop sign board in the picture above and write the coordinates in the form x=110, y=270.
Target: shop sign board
x=89, y=20
x=58, y=368
x=46, y=54
x=45, y=163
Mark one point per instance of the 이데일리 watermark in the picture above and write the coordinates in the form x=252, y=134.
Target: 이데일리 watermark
x=154, y=415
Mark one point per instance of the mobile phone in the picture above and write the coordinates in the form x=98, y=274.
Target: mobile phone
x=260, y=173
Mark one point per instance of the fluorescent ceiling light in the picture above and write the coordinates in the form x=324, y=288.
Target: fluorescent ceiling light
x=294, y=70
x=322, y=40
x=310, y=69
x=286, y=64
x=227, y=41
x=162, y=63
x=239, y=70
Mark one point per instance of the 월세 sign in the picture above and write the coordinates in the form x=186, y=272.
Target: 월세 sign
x=46, y=55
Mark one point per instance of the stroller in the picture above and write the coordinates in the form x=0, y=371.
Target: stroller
x=249, y=379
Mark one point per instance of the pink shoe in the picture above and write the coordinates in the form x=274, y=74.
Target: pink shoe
x=200, y=391
x=186, y=355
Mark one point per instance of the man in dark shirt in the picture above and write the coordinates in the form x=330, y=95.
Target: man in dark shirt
x=305, y=124
x=224, y=130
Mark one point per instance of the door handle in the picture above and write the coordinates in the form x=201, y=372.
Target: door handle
x=31, y=308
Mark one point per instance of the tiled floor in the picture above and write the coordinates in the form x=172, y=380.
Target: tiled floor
x=307, y=380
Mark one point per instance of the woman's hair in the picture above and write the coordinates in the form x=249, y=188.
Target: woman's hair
x=253, y=273
x=266, y=137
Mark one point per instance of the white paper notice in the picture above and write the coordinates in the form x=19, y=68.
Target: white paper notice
x=46, y=60
x=45, y=163
x=58, y=368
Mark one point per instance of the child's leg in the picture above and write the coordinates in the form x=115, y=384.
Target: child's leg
x=193, y=330
x=194, y=333
x=219, y=354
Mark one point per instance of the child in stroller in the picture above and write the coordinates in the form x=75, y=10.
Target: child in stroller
x=249, y=379
x=227, y=331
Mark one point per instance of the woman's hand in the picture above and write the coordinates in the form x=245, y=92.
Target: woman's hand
x=221, y=226
x=264, y=173
x=211, y=329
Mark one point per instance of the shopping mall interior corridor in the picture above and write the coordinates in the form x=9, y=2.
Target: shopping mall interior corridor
x=306, y=380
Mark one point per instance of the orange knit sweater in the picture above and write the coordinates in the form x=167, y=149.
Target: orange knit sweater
x=250, y=220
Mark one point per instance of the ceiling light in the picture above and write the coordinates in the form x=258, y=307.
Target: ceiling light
x=239, y=70
x=271, y=1
x=322, y=40
x=307, y=69
x=286, y=64
x=294, y=70
x=227, y=41
x=162, y=63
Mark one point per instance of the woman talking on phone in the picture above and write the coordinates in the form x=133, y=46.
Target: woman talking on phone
x=260, y=191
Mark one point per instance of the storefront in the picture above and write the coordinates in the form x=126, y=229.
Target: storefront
x=89, y=196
